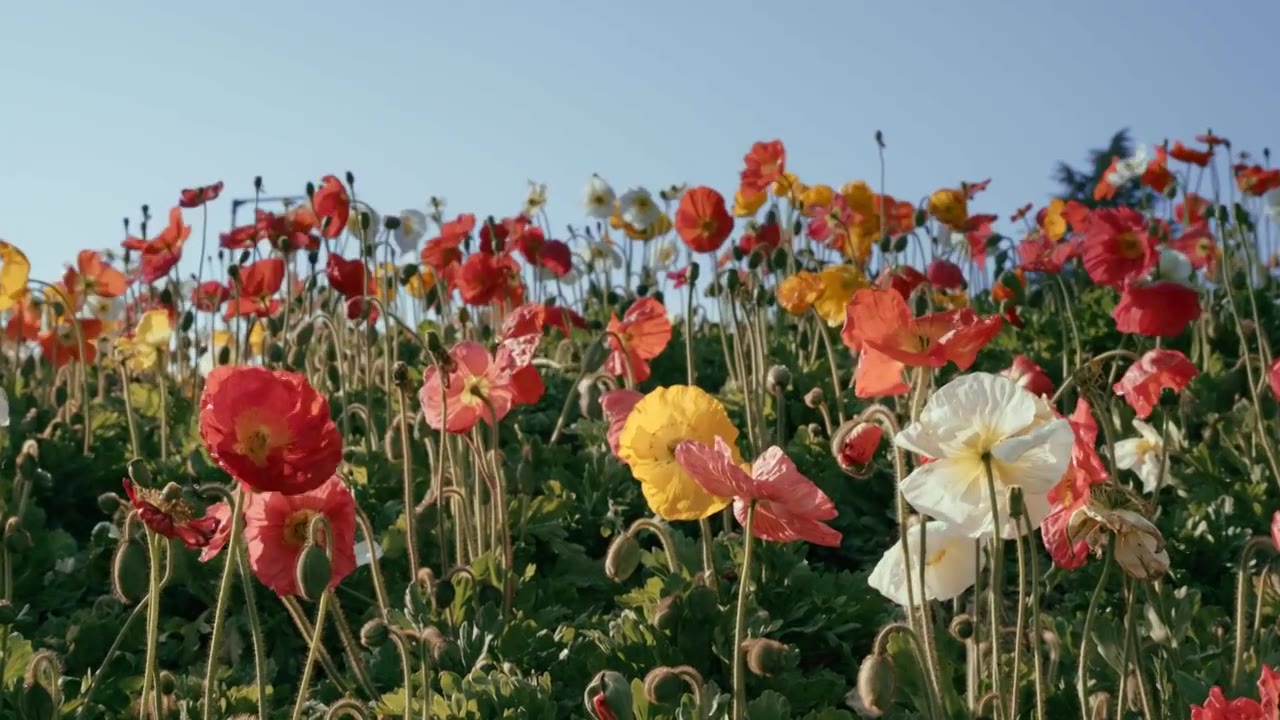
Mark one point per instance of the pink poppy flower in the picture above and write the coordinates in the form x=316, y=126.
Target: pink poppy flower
x=222, y=513
x=521, y=334
x=276, y=527
x=617, y=405
x=1025, y=372
x=474, y=383
x=1273, y=378
x=789, y=507
x=1275, y=529
x=1142, y=383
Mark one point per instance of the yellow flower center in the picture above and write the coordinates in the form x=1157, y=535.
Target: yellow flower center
x=256, y=437
x=475, y=391
x=1129, y=245
x=935, y=558
x=297, y=527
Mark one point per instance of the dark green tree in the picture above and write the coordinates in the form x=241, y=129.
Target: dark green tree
x=1078, y=183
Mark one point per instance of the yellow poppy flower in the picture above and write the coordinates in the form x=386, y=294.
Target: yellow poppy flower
x=747, y=204
x=797, y=293
x=789, y=186
x=659, y=422
x=660, y=226
x=950, y=207
x=859, y=197
x=154, y=329
x=839, y=283
x=257, y=339
x=821, y=195
x=1055, y=225
x=15, y=271
x=951, y=300
x=419, y=285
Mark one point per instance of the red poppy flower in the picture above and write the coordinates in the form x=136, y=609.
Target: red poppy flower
x=903, y=279
x=476, y=389
x=277, y=527
x=1117, y=247
x=1256, y=180
x=444, y=250
x=640, y=336
x=557, y=257
x=241, y=237
x=1218, y=707
x=1191, y=155
x=521, y=334
x=332, y=206
x=1038, y=253
x=1191, y=209
x=173, y=518
x=1073, y=491
x=93, y=276
x=564, y=319
x=945, y=275
x=1154, y=372
x=1025, y=372
x=60, y=345
x=1273, y=377
x=1196, y=242
x=766, y=237
x=766, y=162
x=351, y=278
x=256, y=286
x=485, y=278
x=494, y=235
x=24, y=320
x=1156, y=309
x=161, y=253
x=195, y=197
x=1010, y=314
x=1212, y=140
x=702, y=220
x=859, y=445
x=1157, y=175
x=209, y=296
x=290, y=232
x=269, y=429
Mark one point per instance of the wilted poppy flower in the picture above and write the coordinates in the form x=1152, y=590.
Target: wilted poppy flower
x=93, y=276
x=269, y=429
x=476, y=388
x=60, y=344
x=255, y=287
x=15, y=271
x=332, y=206
x=195, y=197
x=220, y=512
x=945, y=275
x=278, y=526
x=209, y=296
x=171, y=516
x=1155, y=371
x=788, y=506
x=679, y=278
x=950, y=569
x=702, y=220
x=1072, y=493
x=1025, y=372
x=1156, y=309
x=158, y=255
x=638, y=337
x=1117, y=247
x=617, y=406
x=521, y=334
x=764, y=164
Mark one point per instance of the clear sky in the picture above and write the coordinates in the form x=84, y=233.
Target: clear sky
x=108, y=105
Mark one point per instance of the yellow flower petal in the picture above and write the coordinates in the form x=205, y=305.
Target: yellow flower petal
x=15, y=271
x=154, y=329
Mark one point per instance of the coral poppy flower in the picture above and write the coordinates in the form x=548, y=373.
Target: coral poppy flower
x=1191, y=210
x=269, y=429
x=857, y=446
x=1073, y=492
x=1156, y=309
x=1154, y=372
x=60, y=345
x=638, y=337
x=195, y=197
x=161, y=253
x=1256, y=180
x=241, y=237
x=903, y=279
x=564, y=319
x=1117, y=247
x=797, y=293
x=1191, y=155
x=332, y=206
x=1039, y=253
x=351, y=278
x=221, y=512
x=1025, y=372
x=484, y=278
x=788, y=506
x=276, y=528
x=945, y=275
x=881, y=320
x=93, y=276
x=209, y=296
x=24, y=322
x=764, y=165
x=171, y=517
x=254, y=290
x=617, y=406
x=521, y=334
x=476, y=389
x=702, y=221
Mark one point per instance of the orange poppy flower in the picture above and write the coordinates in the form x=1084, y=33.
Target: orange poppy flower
x=332, y=206
x=702, y=220
x=765, y=164
x=1157, y=175
x=640, y=336
x=1256, y=180
x=60, y=345
x=798, y=293
x=950, y=206
x=197, y=196
x=161, y=253
x=24, y=323
x=254, y=290
x=747, y=202
x=880, y=319
x=92, y=276
x=1191, y=155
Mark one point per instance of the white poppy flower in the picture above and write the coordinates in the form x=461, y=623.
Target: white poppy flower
x=1144, y=453
x=354, y=224
x=4, y=409
x=1174, y=267
x=979, y=416
x=1129, y=168
x=598, y=198
x=108, y=310
x=602, y=255
x=638, y=208
x=664, y=255
x=950, y=567
x=413, y=225
x=536, y=199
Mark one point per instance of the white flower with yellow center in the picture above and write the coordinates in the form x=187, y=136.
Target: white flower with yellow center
x=638, y=208
x=1145, y=454
x=536, y=200
x=413, y=225
x=978, y=420
x=950, y=567
x=598, y=198
x=664, y=255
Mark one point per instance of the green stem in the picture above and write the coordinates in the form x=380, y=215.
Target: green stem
x=740, y=620
x=149, y=677
x=1035, y=620
x=1020, y=624
x=255, y=631
x=1082, y=668
x=87, y=696
x=993, y=590
x=224, y=599
x=317, y=639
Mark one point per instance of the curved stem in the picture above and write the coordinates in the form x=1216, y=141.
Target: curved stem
x=1082, y=668
x=224, y=599
x=150, y=674
x=664, y=538
x=317, y=639
x=740, y=619
x=1242, y=601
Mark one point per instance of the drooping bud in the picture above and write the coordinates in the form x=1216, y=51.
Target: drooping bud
x=16, y=537
x=374, y=634
x=313, y=571
x=129, y=579
x=778, y=379
x=8, y=615
x=854, y=445
x=877, y=683
x=608, y=697
x=139, y=473
x=701, y=602
x=41, y=694
x=815, y=398
x=666, y=614
x=962, y=627
x=168, y=683
x=664, y=686
x=767, y=657
x=623, y=558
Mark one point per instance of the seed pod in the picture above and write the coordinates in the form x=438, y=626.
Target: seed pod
x=129, y=572
x=766, y=657
x=623, y=558
x=664, y=686
x=876, y=684
x=313, y=571
x=374, y=634
x=608, y=697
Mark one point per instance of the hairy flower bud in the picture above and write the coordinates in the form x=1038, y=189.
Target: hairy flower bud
x=854, y=445
x=766, y=657
x=608, y=697
x=815, y=398
x=8, y=615
x=1100, y=706
x=374, y=634
x=313, y=571
x=129, y=579
x=41, y=694
x=168, y=683
x=701, y=602
x=778, y=379
x=664, y=686
x=623, y=558
x=962, y=627
x=16, y=537
x=877, y=683
x=139, y=473
x=666, y=614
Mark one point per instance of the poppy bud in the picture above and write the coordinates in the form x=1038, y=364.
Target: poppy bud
x=129, y=572
x=224, y=355
x=139, y=473
x=666, y=614
x=275, y=353
x=443, y=593
x=900, y=244
x=855, y=444
x=16, y=537
x=608, y=697
x=962, y=627
x=351, y=179
x=701, y=602
x=623, y=558
x=335, y=378
x=778, y=379
x=664, y=686
x=60, y=395
x=297, y=359
x=313, y=571
x=168, y=683
x=374, y=634
x=1017, y=507
x=7, y=614
x=694, y=271
x=391, y=222
x=188, y=319
x=766, y=657
x=28, y=460
x=41, y=683
x=876, y=684
x=1100, y=706
x=416, y=601
x=815, y=398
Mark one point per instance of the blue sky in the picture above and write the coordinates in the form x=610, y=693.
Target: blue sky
x=112, y=105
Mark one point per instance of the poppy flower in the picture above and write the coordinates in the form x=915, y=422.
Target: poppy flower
x=1256, y=180
x=332, y=206
x=93, y=276
x=838, y=283
x=950, y=207
x=945, y=275
x=1191, y=210
x=556, y=257
x=351, y=278
x=269, y=429
x=517, y=344
x=1038, y=253
x=158, y=255
x=195, y=197
x=60, y=345
x=1273, y=378
x=797, y=293
x=564, y=319
x=255, y=286
x=1025, y=372
x=951, y=568
x=221, y=512
x=903, y=279
x=24, y=321
x=15, y=272
x=171, y=517
x=1073, y=492
x=858, y=446
x=1157, y=175
x=1117, y=247
x=1150, y=375
x=1212, y=140
x=598, y=198
x=746, y=202
x=764, y=164
x=702, y=221
x=1191, y=155
x=1156, y=309
x=484, y=278
x=881, y=320
x=788, y=506
x=1196, y=243
x=209, y=296
x=638, y=337
x=277, y=527
x=617, y=406
x=287, y=233
x=241, y=237
x=1218, y=707
x=476, y=389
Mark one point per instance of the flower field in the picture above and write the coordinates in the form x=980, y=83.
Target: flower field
x=788, y=450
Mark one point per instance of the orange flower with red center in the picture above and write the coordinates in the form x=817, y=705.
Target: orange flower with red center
x=332, y=206
x=765, y=164
x=161, y=253
x=269, y=429
x=61, y=345
x=278, y=526
x=640, y=336
x=702, y=220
